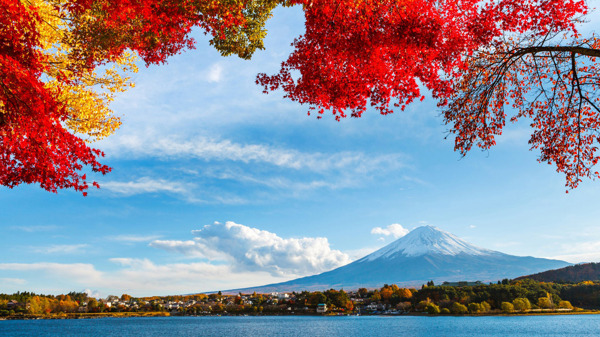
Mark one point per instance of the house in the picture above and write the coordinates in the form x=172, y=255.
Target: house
x=321, y=308
x=371, y=306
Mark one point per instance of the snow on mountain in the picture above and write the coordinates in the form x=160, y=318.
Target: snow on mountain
x=427, y=240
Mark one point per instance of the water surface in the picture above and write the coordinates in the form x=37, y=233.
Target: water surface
x=567, y=325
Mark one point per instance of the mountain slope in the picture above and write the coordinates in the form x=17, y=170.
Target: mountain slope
x=426, y=253
x=577, y=273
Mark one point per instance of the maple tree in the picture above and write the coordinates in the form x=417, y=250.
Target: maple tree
x=36, y=148
x=553, y=86
x=474, y=56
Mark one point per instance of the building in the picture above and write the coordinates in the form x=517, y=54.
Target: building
x=321, y=308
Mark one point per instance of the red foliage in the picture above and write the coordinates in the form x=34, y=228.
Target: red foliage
x=381, y=51
x=34, y=146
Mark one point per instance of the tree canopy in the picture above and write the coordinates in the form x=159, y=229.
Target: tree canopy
x=62, y=62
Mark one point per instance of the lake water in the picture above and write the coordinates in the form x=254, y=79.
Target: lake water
x=568, y=325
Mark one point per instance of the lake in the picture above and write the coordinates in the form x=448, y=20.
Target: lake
x=571, y=325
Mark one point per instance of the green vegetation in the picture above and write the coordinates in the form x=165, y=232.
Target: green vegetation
x=571, y=274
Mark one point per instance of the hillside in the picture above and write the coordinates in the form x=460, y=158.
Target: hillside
x=575, y=273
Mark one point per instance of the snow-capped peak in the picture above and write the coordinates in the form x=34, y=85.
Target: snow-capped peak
x=428, y=240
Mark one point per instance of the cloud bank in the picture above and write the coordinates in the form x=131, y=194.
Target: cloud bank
x=137, y=277
x=252, y=249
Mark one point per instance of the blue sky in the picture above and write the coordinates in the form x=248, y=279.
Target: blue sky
x=216, y=185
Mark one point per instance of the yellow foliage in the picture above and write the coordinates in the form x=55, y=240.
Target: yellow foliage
x=87, y=93
x=41, y=305
x=404, y=293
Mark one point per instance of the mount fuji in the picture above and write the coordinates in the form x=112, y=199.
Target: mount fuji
x=426, y=253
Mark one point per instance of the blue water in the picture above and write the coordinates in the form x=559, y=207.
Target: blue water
x=574, y=325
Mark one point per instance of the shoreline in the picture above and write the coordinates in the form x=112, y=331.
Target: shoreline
x=167, y=314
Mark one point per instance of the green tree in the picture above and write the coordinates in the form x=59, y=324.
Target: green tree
x=92, y=305
x=337, y=298
x=316, y=298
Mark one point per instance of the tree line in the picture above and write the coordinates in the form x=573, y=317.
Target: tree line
x=504, y=297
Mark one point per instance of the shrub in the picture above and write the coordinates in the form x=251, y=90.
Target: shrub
x=544, y=303
x=432, y=309
x=521, y=304
x=507, y=307
x=565, y=305
x=474, y=308
x=485, y=306
x=458, y=309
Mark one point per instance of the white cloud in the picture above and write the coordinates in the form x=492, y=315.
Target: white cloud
x=92, y=293
x=222, y=150
x=395, y=230
x=204, y=160
x=147, y=185
x=60, y=249
x=134, y=238
x=280, y=182
x=253, y=249
x=13, y=281
x=215, y=73
x=580, y=252
x=73, y=271
x=578, y=258
x=38, y=228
